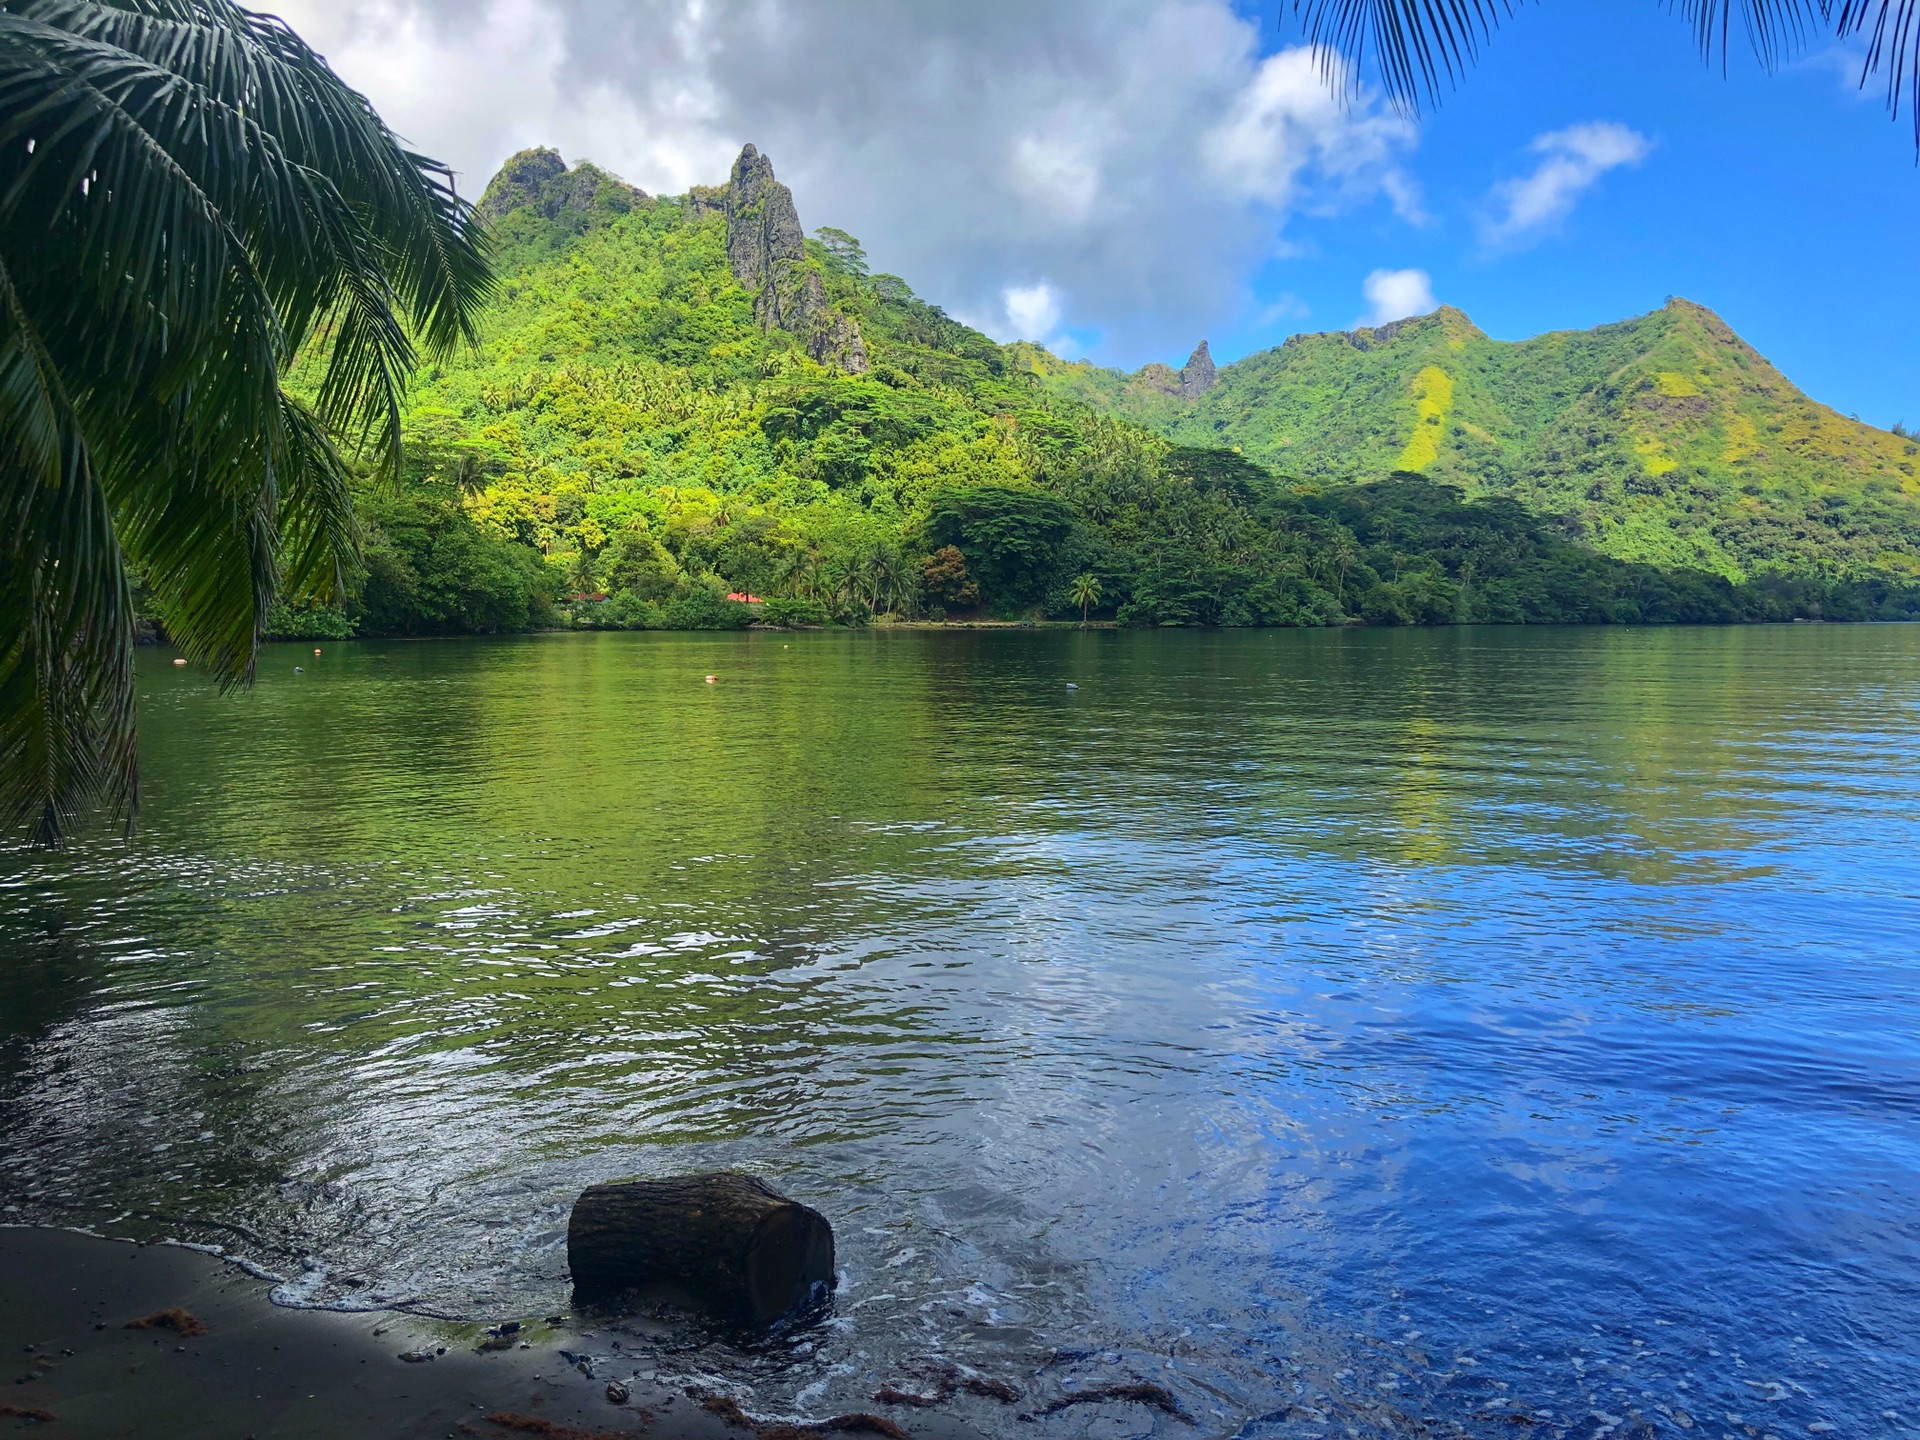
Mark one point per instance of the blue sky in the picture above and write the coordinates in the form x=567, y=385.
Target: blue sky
x=1117, y=178
x=1789, y=203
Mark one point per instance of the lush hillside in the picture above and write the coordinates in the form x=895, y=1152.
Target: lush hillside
x=680, y=399
x=1665, y=439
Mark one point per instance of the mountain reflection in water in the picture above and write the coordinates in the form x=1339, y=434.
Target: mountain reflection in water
x=1513, y=1029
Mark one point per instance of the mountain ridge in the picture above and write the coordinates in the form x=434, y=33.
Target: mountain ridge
x=674, y=401
x=1663, y=437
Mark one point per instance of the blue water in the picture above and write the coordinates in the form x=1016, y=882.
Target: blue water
x=1470, y=1031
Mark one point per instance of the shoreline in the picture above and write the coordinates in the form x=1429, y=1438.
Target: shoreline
x=120, y=1338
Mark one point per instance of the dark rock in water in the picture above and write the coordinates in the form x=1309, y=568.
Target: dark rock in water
x=722, y=1241
x=618, y=1393
x=1198, y=375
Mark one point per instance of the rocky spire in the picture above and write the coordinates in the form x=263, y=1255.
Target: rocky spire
x=1197, y=376
x=767, y=250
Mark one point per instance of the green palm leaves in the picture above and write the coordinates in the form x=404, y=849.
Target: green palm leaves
x=189, y=201
x=1414, y=44
x=1085, y=592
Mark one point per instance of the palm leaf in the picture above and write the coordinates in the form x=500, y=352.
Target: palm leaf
x=317, y=529
x=189, y=197
x=66, y=720
x=1411, y=46
x=438, y=260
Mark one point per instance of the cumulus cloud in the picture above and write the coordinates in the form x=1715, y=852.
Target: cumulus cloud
x=1033, y=311
x=1396, y=294
x=1572, y=161
x=1288, y=122
x=1142, y=155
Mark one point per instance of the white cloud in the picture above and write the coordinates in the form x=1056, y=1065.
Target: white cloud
x=1396, y=294
x=1143, y=154
x=1056, y=174
x=1287, y=119
x=1572, y=160
x=1033, y=311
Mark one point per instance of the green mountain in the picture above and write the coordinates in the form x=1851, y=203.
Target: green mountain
x=677, y=401
x=1665, y=439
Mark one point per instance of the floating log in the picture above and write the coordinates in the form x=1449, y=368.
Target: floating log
x=723, y=1241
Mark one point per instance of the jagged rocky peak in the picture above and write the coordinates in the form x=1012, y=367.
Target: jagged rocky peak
x=539, y=180
x=705, y=200
x=763, y=228
x=1198, y=375
x=767, y=250
x=521, y=181
x=1155, y=376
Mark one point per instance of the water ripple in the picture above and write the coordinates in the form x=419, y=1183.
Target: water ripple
x=1358, y=1032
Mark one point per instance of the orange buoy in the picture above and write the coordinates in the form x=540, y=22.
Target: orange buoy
x=316, y=651
x=712, y=678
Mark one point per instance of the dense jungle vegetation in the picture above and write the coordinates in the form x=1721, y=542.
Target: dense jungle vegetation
x=1664, y=439
x=628, y=446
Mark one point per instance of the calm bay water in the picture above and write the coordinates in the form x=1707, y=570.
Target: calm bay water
x=1360, y=1032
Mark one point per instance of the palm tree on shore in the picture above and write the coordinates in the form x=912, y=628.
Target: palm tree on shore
x=1412, y=44
x=217, y=267
x=1084, y=592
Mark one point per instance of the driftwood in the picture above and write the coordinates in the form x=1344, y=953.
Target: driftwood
x=723, y=1241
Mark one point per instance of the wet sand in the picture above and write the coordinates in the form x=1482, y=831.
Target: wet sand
x=66, y=1352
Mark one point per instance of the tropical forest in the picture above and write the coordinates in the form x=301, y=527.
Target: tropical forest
x=683, y=412
x=881, y=720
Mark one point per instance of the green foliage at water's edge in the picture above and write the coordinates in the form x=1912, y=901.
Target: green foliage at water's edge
x=627, y=448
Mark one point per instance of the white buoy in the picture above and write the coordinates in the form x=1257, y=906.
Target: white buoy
x=1072, y=686
x=712, y=678
x=181, y=660
x=299, y=669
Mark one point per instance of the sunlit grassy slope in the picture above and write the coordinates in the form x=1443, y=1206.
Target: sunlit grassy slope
x=1664, y=438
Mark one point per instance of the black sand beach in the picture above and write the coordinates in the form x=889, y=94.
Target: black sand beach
x=74, y=1367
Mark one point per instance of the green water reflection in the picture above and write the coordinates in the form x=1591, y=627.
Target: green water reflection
x=1154, y=981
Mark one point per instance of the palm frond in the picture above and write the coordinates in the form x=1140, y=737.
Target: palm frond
x=189, y=198
x=66, y=718
x=1774, y=29
x=256, y=62
x=319, y=538
x=1411, y=46
x=1892, y=30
